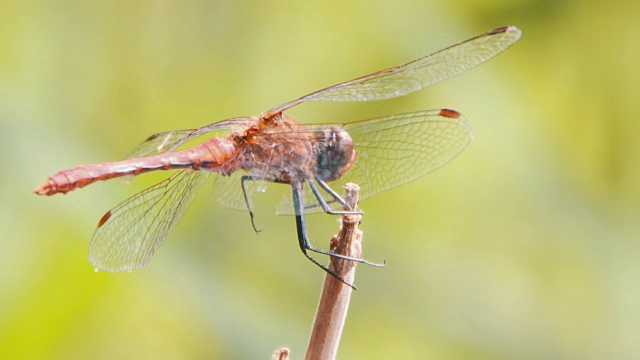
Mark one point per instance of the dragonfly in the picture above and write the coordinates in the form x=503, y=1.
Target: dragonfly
x=313, y=159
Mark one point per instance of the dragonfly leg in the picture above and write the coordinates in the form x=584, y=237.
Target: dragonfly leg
x=244, y=179
x=305, y=245
x=315, y=205
x=336, y=197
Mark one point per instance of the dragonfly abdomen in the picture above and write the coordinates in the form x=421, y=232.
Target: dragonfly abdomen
x=209, y=155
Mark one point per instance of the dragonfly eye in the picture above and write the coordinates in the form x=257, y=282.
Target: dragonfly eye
x=336, y=154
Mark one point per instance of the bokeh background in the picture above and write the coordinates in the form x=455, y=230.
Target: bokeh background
x=525, y=246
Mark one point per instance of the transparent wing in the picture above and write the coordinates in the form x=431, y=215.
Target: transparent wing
x=228, y=190
x=128, y=235
x=171, y=140
x=418, y=74
x=309, y=201
x=397, y=149
x=159, y=143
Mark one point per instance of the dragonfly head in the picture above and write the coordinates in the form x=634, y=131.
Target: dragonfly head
x=335, y=154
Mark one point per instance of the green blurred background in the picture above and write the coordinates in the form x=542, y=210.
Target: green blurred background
x=525, y=246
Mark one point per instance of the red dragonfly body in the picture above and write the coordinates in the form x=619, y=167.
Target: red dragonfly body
x=277, y=149
x=210, y=155
x=378, y=154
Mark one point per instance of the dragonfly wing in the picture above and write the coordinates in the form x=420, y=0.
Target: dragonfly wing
x=159, y=143
x=172, y=140
x=309, y=200
x=128, y=235
x=392, y=151
x=418, y=74
x=397, y=149
x=228, y=190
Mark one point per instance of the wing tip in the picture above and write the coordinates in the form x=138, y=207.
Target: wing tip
x=512, y=31
x=100, y=263
x=449, y=113
x=104, y=218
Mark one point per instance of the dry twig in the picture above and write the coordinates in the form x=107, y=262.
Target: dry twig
x=281, y=354
x=334, y=301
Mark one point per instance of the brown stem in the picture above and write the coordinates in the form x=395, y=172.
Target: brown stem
x=334, y=301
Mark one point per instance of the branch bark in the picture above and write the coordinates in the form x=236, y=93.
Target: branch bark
x=334, y=301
